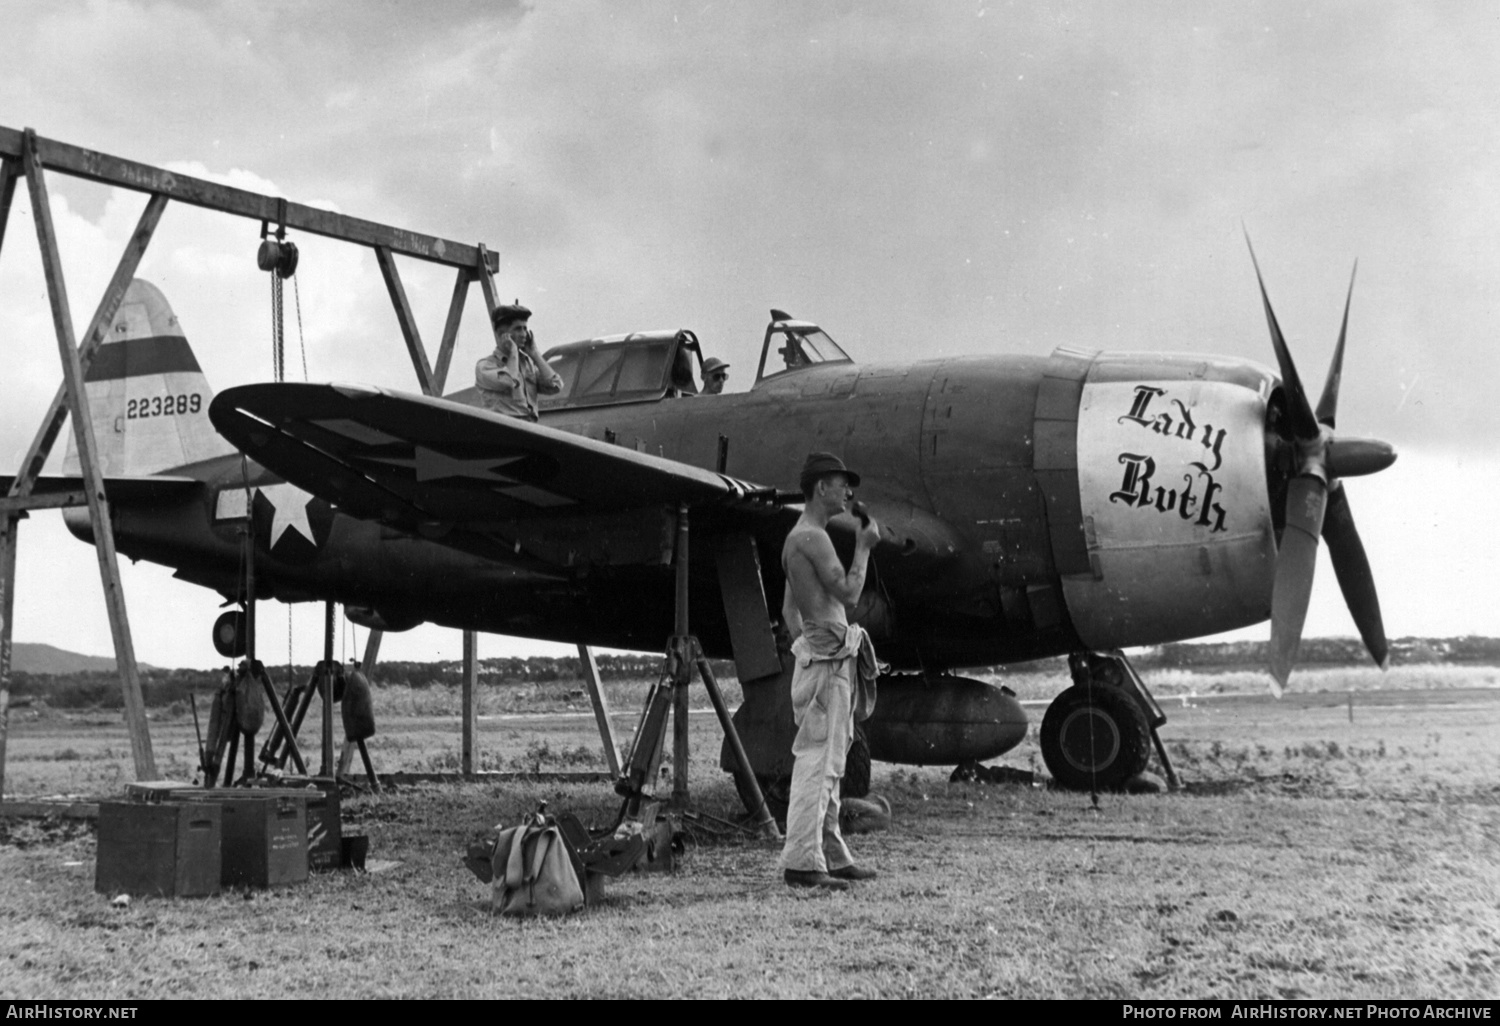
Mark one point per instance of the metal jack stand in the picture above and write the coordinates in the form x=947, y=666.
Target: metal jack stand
x=670, y=695
x=327, y=683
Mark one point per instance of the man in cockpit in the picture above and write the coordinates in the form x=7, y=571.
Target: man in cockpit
x=715, y=373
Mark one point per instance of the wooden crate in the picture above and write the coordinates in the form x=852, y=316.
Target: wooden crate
x=324, y=815
x=169, y=850
x=325, y=829
x=265, y=839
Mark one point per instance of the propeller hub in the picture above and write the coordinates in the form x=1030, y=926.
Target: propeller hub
x=1356, y=457
x=1312, y=454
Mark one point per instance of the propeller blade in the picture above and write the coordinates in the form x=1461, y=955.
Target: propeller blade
x=1296, y=560
x=1352, y=569
x=1304, y=424
x=1329, y=402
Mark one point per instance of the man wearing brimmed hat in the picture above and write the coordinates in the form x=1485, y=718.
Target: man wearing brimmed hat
x=833, y=681
x=510, y=377
x=715, y=373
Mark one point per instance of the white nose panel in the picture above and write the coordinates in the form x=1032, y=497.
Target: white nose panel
x=1173, y=491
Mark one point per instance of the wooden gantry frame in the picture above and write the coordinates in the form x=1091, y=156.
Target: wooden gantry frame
x=24, y=154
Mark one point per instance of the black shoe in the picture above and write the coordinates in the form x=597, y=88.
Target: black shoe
x=813, y=878
x=853, y=872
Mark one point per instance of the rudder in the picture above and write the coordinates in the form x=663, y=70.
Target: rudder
x=147, y=395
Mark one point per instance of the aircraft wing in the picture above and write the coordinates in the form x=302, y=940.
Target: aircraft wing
x=429, y=466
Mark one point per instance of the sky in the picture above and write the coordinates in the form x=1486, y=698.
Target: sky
x=922, y=179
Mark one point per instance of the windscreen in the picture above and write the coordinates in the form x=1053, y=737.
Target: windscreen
x=792, y=349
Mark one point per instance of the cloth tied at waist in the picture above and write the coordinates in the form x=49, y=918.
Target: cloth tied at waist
x=833, y=643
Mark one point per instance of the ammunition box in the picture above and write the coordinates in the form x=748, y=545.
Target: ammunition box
x=166, y=850
x=265, y=839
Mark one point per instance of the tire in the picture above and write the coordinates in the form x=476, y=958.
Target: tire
x=1095, y=738
x=229, y=634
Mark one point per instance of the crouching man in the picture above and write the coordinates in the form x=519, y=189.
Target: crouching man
x=834, y=679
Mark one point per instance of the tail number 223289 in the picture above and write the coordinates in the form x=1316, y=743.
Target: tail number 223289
x=162, y=406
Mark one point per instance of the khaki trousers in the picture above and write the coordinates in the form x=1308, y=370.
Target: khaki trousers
x=822, y=706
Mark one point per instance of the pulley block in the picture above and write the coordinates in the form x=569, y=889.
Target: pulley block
x=279, y=255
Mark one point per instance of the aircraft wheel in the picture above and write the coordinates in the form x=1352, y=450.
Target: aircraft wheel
x=229, y=634
x=1095, y=738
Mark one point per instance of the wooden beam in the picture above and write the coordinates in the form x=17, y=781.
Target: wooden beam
x=372, y=653
x=10, y=170
x=404, y=317
x=49, y=810
x=487, y=286
x=8, y=526
x=600, y=702
x=469, y=750
x=128, y=174
x=484, y=264
x=109, y=305
x=88, y=457
x=402, y=779
x=430, y=380
x=450, y=331
x=330, y=760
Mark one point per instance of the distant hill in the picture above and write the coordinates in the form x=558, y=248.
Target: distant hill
x=29, y=657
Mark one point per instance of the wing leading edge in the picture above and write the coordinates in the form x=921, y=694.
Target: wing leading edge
x=453, y=473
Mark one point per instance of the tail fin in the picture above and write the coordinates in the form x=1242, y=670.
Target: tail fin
x=147, y=395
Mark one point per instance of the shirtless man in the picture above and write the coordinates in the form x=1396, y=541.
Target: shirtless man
x=827, y=649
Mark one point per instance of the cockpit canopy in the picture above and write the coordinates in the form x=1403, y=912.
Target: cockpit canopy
x=793, y=345
x=645, y=366
x=638, y=367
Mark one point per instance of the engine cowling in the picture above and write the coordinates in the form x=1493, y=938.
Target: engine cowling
x=1174, y=499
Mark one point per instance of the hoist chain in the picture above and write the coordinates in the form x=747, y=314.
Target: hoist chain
x=278, y=345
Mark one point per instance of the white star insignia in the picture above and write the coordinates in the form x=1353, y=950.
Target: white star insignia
x=432, y=465
x=290, y=505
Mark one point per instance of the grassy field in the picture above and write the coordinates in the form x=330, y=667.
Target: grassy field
x=1324, y=847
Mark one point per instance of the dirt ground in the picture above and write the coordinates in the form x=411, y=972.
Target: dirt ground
x=1326, y=846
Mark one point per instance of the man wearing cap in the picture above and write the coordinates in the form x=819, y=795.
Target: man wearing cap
x=510, y=377
x=715, y=373
x=833, y=681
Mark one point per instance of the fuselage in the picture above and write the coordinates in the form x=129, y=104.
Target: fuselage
x=1016, y=516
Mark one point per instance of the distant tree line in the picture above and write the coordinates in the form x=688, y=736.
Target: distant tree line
x=163, y=688
x=1469, y=650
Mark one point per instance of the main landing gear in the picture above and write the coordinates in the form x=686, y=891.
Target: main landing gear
x=1098, y=734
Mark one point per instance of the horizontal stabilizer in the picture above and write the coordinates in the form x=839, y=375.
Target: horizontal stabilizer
x=125, y=491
